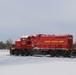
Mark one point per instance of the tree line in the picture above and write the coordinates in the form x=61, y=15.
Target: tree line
x=7, y=44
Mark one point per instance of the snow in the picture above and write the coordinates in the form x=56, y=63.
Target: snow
x=35, y=65
x=24, y=36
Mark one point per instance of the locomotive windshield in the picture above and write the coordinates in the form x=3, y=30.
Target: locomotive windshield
x=23, y=39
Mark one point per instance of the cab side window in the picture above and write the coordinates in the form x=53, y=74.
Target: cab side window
x=23, y=39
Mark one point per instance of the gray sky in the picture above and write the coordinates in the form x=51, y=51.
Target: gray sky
x=18, y=17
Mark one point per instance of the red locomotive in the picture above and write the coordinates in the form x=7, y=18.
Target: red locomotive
x=55, y=45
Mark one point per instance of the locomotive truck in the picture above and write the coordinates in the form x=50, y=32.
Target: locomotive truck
x=53, y=45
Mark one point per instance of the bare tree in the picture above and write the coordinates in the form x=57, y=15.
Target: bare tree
x=2, y=45
x=9, y=43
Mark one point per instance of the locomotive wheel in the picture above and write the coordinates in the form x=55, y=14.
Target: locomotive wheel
x=67, y=53
x=74, y=53
x=16, y=52
x=52, y=53
x=31, y=53
x=24, y=53
x=27, y=54
x=57, y=53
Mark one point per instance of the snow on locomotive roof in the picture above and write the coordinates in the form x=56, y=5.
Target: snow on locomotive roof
x=24, y=36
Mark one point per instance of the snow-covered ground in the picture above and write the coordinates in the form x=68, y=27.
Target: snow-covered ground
x=33, y=65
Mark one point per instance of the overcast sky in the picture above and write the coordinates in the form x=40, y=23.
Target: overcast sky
x=18, y=17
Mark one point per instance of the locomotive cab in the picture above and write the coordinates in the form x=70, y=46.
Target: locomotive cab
x=25, y=42
x=23, y=38
x=20, y=43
